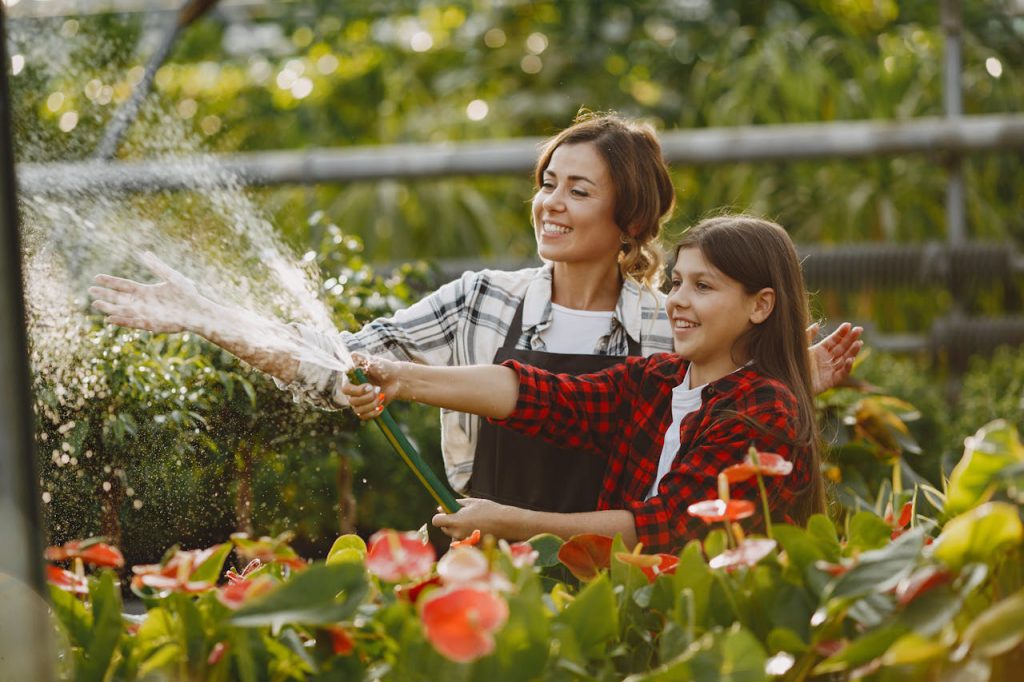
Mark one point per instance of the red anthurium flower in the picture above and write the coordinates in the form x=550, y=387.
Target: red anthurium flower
x=269, y=550
x=217, y=653
x=899, y=526
x=66, y=580
x=770, y=465
x=834, y=570
x=92, y=552
x=652, y=565
x=522, y=553
x=710, y=511
x=830, y=647
x=234, y=594
x=460, y=622
x=463, y=565
x=394, y=556
x=411, y=593
x=748, y=553
x=176, y=574
x=586, y=554
x=342, y=641
x=921, y=581
x=473, y=539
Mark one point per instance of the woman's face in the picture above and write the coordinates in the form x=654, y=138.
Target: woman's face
x=573, y=211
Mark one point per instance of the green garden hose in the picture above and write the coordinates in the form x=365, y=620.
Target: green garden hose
x=405, y=450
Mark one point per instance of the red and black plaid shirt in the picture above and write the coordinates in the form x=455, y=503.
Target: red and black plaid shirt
x=623, y=413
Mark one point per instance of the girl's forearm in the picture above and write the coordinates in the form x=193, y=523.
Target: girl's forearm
x=485, y=390
x=523, y=524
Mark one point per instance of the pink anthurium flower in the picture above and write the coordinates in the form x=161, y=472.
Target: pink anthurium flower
x=66, y=580
x=93, y=552
x=586, y=554
x=463, y=565
x=749, y=552
x=770, y=465
x=269, y=550
x=396, y=557
x=234, y=594
x=710, y=511
x=460, y=622
x=522, y=553
x=217, y=653
x=175, y=575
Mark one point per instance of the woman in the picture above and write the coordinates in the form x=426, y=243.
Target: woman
x=665, y=425
x=603, y=193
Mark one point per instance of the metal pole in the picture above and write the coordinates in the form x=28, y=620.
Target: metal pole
x=25, y=653
x=956, y=195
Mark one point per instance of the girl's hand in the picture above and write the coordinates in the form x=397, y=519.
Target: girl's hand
x=487, y=516
x=368, y=400
x=172, y=305
x=832, y=358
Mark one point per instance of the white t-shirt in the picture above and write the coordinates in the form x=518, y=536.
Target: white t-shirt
x=684, y=401
x=575, y=331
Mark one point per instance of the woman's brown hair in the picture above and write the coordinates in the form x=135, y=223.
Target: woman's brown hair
x=644, y=196
x=759, y=254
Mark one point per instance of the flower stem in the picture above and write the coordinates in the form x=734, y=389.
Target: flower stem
x=764, y=493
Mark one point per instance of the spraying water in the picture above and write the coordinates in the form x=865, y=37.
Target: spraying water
x=216, y=237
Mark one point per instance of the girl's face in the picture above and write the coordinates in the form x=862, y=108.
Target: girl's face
x=709, y=311
x=573, y=211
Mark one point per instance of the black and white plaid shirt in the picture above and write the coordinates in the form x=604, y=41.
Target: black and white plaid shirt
x=464, y=323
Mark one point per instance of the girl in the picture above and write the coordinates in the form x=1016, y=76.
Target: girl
x=603, y=193
x=665, y=424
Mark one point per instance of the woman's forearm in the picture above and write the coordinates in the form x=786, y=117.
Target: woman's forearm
x=485, y=390
x=522, y=524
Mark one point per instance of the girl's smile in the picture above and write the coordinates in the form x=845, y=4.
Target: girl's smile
x=710, y=312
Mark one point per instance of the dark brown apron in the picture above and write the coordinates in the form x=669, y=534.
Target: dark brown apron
x=513, y=469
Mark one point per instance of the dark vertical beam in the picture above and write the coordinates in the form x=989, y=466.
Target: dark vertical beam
x=24, y=625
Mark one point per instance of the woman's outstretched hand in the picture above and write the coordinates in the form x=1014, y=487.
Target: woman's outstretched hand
x=832, y=357
x=171, y=305
x=368, y=400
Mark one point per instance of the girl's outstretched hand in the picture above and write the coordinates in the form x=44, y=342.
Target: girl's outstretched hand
x=172, y=305
x=368, y=400
x=832, y=357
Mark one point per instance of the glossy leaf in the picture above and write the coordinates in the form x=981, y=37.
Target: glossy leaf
x=998, y=629
x=320, y=595
x=592, y=615
x=983, y=534
x=988, y=452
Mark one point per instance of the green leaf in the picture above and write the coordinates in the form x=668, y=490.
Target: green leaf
x=865, y=648
x=784, y=639
x=867, y=531
x=800, y=546
x=998, y=629
x=161, y=657
x=318, y=595
x=880, y=569
x=692, y=575
x=106, y=631
x=547, y=546
x=996, y=446
x=209, y=570
x=73, y=615
x=983, y=534
x=823, y=531
x=592, y=616
x=913, y=649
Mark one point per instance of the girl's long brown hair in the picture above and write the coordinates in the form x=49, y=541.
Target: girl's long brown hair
x=759, y=254
x=644, y=195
